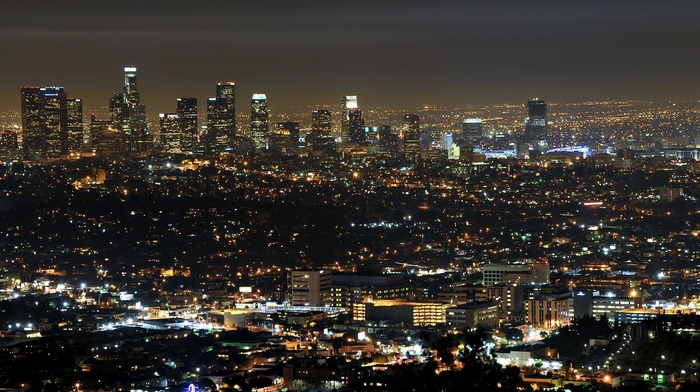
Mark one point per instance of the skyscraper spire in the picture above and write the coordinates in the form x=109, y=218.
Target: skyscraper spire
x=131, y=90
x=133, y=114
x=259, y=121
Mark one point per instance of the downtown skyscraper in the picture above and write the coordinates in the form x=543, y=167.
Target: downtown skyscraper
x=356, y=127
x=472, y=133
x=536, y=125
x=128, y=132
x=74, y=107
x=131, y=89
x=188, y=124
x=321, y=122
x=221, y=119
x=133, y=114
x=347, y=103
x=106, y=138
x=411, y=135
x=171, y=135
x=45, y=122
x=319, y=140
x=284, y=139
x=259, y=121
x=116, y=108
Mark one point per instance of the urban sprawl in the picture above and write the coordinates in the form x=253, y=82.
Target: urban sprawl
x=536, y=246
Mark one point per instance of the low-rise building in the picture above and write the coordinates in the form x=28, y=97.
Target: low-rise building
x=229, y=318
x=595, y=304
x=537, y=272
x=310, y=288
x=548, y=310
x=528, y=355
x=349, y=289
x=413, y=313
x=321, y=374
x=482, y=314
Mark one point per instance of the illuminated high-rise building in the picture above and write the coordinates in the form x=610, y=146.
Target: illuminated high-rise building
x=372, y=135
x=133, y=114
x=319, y=140
x=348, y=103
x=9, y=140
x=310, y=288
x=221, y=119
x=55, y=121
x=187, y=115
x=385, y=131
x=285, y=139
x=356, y=127
x=446, y=140
x=536, y=125
x=389, y=139
x=131, y=90
x=118, y=128
x=472, y=133
x=227, y=91
x=411, y=134
x=321, y=122
x=290, y=128
x=170, y=133
x=75, y=124
x=472, y=128
x=106, y=137
x=215, y=114
x=32, y=133
x=44, y=122
x=259, y=121
x=219, y=122
x=116, y=108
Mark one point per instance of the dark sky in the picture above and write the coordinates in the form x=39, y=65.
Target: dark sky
x=390, y=53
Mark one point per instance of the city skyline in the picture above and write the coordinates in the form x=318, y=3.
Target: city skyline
x=391, y=54
x=369, y=196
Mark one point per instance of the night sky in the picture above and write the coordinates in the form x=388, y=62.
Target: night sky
x=390, y=53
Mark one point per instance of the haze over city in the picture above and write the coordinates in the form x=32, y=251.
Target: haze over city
x=392, y=53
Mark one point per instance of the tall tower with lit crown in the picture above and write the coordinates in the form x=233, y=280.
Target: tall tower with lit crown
x=259, y=121
x=347, y=103
x=133, y=114
x=131, y=90
x=472, y=133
